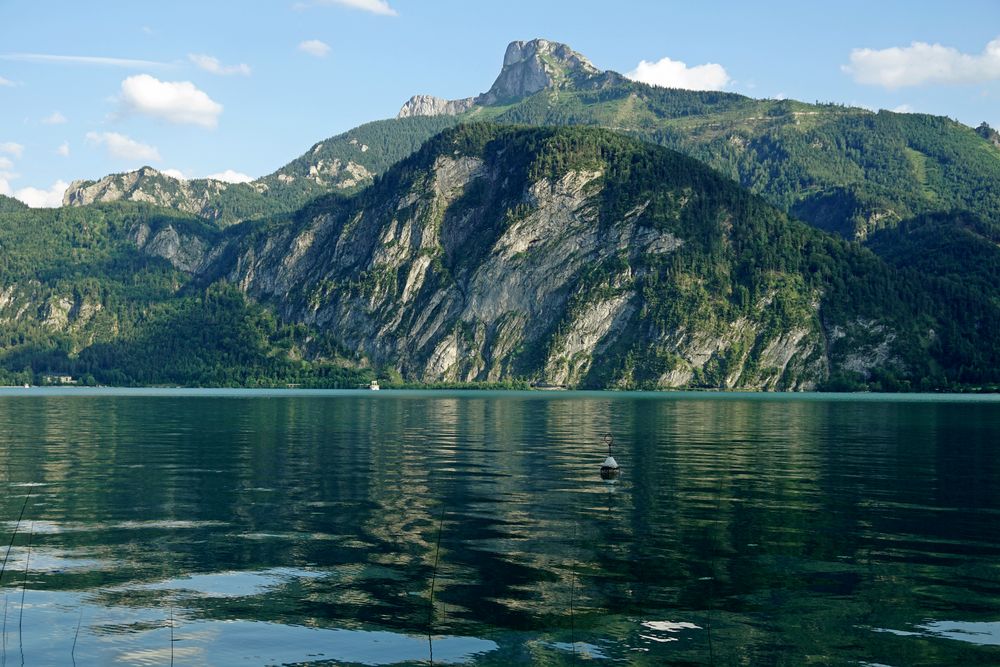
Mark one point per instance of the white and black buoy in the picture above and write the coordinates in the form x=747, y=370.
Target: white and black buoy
x=610, y=468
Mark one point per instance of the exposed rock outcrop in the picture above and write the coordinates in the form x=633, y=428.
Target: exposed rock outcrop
x=184, y=251
x=459, y=267
x=200, y=197
x=528, y=67
x=428, y=105
x=146, y=185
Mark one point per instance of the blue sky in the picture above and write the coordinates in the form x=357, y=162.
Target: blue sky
x=241, y=88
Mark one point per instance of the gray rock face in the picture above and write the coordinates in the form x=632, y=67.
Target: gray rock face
x=428, y=105
x=34, y=305
x=150, y=186
x=528, y=67
x=184, y=251
x=115, y=187
x=465, y=328
x=455, y=276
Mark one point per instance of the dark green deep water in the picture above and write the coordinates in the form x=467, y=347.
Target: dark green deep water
x=304, y=527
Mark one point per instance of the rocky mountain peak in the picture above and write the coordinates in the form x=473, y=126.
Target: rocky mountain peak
x=150, y=186
x=147, y=171
x=114, y=187
x=528, y=67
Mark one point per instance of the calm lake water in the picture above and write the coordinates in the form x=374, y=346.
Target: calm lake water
x=246, y=528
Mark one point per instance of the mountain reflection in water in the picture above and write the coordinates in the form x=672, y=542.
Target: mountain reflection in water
x=304, y=527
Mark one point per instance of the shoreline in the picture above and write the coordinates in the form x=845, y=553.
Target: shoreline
x=569, y=394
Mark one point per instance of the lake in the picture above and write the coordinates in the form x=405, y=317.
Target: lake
x=293, y=527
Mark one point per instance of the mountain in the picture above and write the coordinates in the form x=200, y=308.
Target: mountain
x=846, y=170
x=957, y=257
x=528, y=68
x=102, y=292
x=349, y=161
x=206, y=198
x=544, y=231
x=958, y=247
x=499, y=254
x=580, y=257
x=344, y=163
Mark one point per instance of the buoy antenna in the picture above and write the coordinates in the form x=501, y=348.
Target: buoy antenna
x=610, y=468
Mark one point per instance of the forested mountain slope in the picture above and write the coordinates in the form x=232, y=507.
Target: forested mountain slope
x=584, y=258
x=843, y=169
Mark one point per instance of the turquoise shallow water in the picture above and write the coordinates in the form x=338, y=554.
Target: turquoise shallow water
x=248, y=527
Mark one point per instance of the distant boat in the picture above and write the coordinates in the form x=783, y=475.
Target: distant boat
x=374, y=385
x=27, y=386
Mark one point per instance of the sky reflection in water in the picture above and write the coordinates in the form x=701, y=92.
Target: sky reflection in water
x=291, y=528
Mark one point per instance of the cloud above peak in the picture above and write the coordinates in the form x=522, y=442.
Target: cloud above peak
x=39, y=198
x=101, y=61
x=380, y=7
x=54, y=118
x=212, y=64
x=669, y=73
x=33, y=197
x=174, y=101
x=12, y=148
x=231, y=176
x=314, y=47
x=123, y=147
x=921, y=63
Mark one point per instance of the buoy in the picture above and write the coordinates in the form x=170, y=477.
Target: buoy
x=610, y=468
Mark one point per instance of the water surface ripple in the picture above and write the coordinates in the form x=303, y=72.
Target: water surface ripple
x=241, y=527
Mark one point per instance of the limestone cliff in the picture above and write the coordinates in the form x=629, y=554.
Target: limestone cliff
x=495, y=254
x=528, y=68
x=150, y=186
x=428, y=105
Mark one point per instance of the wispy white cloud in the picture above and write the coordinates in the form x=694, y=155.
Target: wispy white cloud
x=174, y=173
x=63, y=149
x=6, y=176
x=6, y=82
x=921, y=63
x=83, y=60
x=54, y=118
x=212, y=64
x=903, y=108
x=231, y=176
x=38, y=198
x=676, y=74
x=380, y=7
x=227, y=176
x=11, y=148
x=174, y=101
x=314, y=47
x=123, y=147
